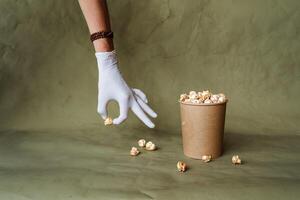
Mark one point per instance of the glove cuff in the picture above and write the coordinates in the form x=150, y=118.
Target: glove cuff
x=106, y=59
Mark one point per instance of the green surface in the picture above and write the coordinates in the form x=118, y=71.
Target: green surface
x=53, y=145
x=92, y=164
x=247, y=49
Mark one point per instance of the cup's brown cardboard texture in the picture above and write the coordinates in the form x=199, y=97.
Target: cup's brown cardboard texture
x=202, y=129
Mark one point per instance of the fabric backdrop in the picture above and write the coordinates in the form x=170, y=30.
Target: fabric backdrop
x=249, y=50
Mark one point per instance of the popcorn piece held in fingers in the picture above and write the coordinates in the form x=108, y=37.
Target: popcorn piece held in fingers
x=108, y=121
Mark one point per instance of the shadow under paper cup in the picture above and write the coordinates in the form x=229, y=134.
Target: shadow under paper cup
x=202, y=129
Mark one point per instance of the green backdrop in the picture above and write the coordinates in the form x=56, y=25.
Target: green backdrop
x=53, y=144
x=250, y=50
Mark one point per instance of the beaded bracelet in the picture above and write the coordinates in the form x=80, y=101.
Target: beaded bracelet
x=101, y=34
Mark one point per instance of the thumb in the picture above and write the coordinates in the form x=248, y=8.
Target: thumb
x=102, y=108
x=123, y=105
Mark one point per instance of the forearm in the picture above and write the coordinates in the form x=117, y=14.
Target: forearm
x=97, y=18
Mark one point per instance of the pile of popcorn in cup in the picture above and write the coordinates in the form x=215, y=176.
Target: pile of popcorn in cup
x=204, y=97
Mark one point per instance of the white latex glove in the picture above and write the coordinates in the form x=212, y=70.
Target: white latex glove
x=111, y=86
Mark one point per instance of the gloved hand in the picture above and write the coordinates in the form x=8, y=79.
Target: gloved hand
x=111, y=86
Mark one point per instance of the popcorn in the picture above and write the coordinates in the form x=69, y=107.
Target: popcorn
x=236, y=160
x=214, y=98
x=208, y=101
x=187, y=101
x=183, y=97
x=204, y=97
x=221, y=99
x=206, y=158
x=206, y=94
x=181, y=166
x=192, y=93
x=134, y=151
x=108, y=121
x=195, y=101
x=142, y=143
x=194, y=97
x=222, y=95
x=150, y=146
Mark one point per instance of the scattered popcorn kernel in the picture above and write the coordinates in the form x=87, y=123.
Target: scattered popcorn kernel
x=134, y=151
x=181, y=166
x=108, y=121
x=142, y=143
x=236, y=160
x=206, y=158
x=150, y=146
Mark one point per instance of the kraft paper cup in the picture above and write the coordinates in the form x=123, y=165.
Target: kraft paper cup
x=202, y=129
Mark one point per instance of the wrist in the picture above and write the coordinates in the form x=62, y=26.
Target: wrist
x=106, y=60
x=103, y=45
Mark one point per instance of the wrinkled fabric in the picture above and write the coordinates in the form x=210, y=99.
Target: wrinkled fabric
x=92, y=164
x=248, y=50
